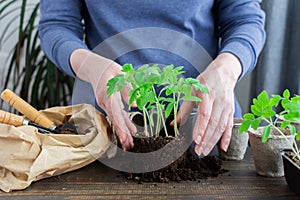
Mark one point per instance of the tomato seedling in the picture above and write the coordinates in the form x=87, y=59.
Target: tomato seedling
x=263, y=109
x=144, y=82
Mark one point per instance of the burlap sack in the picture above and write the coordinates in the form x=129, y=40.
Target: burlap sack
x=27, y=155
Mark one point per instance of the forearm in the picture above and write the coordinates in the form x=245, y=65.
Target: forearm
x=241, y=30
x=61, y=31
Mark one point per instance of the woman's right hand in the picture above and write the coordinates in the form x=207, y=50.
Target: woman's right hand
x=97, y=70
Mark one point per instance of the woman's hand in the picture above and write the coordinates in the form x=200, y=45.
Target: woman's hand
x=215, y=112
x=97, y=70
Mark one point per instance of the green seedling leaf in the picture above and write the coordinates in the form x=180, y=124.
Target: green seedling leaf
x=244, y=126
x=293, y=106
x=255, y=123
x=173, y=78
x=133, y=94
x=169, y=109
x=154, y=70
x=168, y=68
x=298, y=135
x=204, y=89
x=150, y=107
x=191, y=98
x=169, y=90
x=187, y=89
x=268, y=113
x=178, y=70
x=263, y=98
x=110, y=91
x=115, y=84
x=248, y=116
x=154, y=78
x=164, y=99
x=192, y=81
x=140, y=104
x=142, y=68
x=121, y=84
x=266, y=133
x=255, y=110
x=286, y=94
x=200, y=87
x=139, y=77
x=249, y=120
x=287, y=117
x=274, y=101
x=127, y=68
x=112, y=82
x=292, y=116
x=296, y=98
x=284, y=124
x=292, y=129
x=257, y=104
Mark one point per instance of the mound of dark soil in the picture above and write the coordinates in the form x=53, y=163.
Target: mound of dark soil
x=186, y=167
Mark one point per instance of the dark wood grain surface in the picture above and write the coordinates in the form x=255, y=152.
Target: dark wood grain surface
x=97, y=181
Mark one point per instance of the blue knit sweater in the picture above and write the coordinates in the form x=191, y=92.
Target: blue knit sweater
x=153, y=31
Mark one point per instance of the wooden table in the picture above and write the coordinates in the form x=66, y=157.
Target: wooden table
x=97, y=181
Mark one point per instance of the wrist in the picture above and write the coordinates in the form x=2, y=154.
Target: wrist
x=229, y=65
x=89, y=66
x=77, y=58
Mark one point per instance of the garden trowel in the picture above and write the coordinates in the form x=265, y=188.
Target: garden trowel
x=33, y=115
x=17, y=120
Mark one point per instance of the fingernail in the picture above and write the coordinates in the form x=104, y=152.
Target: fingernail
x=134, y=104
x=172, y=123
x=225, y=147
x=199, y=150
x=205, y=152
x=198, y=139
x=121, y=141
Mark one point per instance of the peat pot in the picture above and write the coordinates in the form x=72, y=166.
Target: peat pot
x=267, y=156
x=238, y=144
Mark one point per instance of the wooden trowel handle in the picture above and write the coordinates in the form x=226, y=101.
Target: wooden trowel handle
x=26, y=109
x=11, y=119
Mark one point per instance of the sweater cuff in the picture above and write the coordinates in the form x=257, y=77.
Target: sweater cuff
x=243, y=51
x=64, y=54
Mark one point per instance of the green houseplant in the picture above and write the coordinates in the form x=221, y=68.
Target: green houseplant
x=28, y=71
x=282, y=123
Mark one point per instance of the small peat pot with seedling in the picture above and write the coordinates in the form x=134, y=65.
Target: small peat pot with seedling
x=238, y=143
x=278, y=138
x=158, y=92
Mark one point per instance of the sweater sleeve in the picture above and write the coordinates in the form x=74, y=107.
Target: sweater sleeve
x=61, y=31
x=241, y=29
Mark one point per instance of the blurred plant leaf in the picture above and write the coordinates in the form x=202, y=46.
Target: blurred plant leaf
x=29, y=71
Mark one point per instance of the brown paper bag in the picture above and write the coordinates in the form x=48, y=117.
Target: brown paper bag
x=27, y=155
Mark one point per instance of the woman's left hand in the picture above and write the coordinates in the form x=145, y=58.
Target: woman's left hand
x=215, y=111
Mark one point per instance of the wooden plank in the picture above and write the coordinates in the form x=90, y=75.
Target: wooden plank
x=97, y=181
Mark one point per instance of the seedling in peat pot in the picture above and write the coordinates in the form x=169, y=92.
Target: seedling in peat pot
x=263, y=110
